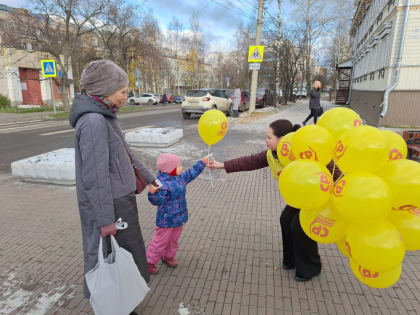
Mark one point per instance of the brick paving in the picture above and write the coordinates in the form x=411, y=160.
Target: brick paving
x=229, y=257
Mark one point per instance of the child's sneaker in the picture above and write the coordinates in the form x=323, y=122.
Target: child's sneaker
x=152, y=269
x=171, y=262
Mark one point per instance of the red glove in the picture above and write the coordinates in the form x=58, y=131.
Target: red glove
x=108, y=230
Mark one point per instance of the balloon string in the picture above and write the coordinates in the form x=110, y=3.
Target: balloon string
x=211, y=178
x=338, y=179
x=335, y=182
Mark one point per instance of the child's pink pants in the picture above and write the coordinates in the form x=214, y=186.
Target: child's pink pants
x=163, y=244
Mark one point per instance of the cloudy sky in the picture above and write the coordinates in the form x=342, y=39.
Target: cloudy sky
x=219, y=19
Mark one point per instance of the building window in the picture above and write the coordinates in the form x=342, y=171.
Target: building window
x=384, y=51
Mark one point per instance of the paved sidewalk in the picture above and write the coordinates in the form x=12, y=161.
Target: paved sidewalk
x=229, y=257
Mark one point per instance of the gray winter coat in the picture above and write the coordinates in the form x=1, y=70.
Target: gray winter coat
x=103, y=169
x=315, y=99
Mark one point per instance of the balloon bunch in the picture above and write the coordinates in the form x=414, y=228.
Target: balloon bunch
x=372, y=211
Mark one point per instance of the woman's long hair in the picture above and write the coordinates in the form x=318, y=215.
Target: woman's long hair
x=282, y=127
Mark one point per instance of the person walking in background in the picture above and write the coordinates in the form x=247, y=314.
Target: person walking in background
x=105, y=178
x=236, y=102
x=172, y=212
x=164, y=99
x=314, y=102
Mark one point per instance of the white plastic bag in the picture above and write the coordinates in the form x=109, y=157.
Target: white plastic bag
x=115, y=284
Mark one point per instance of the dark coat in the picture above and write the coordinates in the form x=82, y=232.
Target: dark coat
x=103, y=170
x=315, y=99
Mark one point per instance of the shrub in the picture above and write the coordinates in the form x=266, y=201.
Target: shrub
x=4, y=101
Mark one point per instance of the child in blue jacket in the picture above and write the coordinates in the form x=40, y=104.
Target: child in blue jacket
x=172, y=211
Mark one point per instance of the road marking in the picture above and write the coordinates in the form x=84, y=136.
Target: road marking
x=70, y=130
x=20, y=122
x=56, y=132
x=31, y=127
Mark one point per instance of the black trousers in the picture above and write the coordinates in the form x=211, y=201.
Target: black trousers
x=314, y=113
x=298, y=249
x=131, y=238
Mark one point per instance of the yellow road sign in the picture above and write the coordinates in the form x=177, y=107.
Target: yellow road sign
x=255, y=53
x=49, y=69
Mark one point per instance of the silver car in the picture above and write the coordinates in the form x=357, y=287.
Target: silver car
x=200, y=101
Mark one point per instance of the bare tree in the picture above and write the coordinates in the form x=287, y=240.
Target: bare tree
x=194, y=47
x=313, y=20
x=339, y=46
x=153, y=63
x=57, y=27
x=176, y=35
x=121, y=34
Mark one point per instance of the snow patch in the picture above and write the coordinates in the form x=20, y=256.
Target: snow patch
x=186, y=151
x=193, y=308
x=183, y=310
x=45, y=302
x=14, y=300
x=17, y=299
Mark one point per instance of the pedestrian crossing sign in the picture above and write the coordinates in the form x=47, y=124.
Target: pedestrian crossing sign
x=48, y=68
x=255, y=53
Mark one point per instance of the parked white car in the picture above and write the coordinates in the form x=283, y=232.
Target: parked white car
x=200, y=101
x=146, y=98
x=300, y=93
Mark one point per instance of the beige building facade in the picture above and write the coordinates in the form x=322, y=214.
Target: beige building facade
x=21, y=78
x=383, y=29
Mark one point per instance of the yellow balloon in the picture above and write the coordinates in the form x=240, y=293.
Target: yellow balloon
x=313, y=143
x=362, y=197
x=375, y=279
x=397, y=145
x=377, y=247
x=212, y=126
x=361, y=149
x=305, y=184
x=403, y=177
x=338, y=120
x=323, y=225
x=284, y=149
x=407, y=221
x=342, y=247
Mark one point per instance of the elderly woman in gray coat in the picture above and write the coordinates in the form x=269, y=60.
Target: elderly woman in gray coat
x=105, y=178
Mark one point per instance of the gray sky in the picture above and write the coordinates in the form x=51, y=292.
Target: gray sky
x=218, y=23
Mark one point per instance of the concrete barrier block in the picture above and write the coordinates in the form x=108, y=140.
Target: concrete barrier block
x=56, y=167
x=154, y=137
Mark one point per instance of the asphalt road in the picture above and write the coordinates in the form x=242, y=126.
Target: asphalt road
x=20, y=140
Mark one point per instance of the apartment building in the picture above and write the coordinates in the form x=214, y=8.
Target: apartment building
x=385, y=87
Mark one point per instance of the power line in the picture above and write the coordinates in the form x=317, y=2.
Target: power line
x=204, y=6
x=242, y=13
x=230, y=9
x=252, y=19
x=239, y=9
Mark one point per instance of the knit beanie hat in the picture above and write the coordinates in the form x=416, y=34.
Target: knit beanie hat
x=282, y=127
x=103, y=78
x=167, y=162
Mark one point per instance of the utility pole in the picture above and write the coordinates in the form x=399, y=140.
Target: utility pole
x=254, y=78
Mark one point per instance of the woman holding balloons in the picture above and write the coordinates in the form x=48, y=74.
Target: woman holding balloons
x=299, y=251
x=372, y=211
